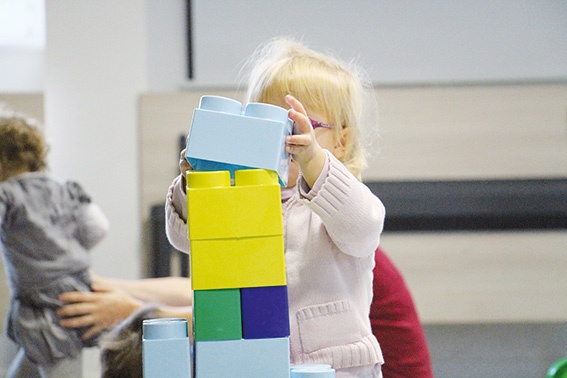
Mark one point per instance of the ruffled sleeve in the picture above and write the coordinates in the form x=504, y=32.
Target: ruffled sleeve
x=176, y=216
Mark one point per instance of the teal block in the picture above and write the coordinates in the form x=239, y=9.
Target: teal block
x=242, y=358
x=217, y=314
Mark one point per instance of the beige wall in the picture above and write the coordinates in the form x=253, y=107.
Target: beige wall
x=26, y=103
x=471, y=132
x=468, y=132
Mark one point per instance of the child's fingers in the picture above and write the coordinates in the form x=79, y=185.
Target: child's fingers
x=77, y=322
x=77, y=296
x=298, y=115
x=93, y=331
x=100, y=287
x=184, y=166
x=294, y=150
x=75, y=309
x=300, y=121
x=298, y=140
x=295, y=104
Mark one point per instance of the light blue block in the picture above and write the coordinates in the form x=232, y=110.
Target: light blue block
x=222, y=137
x=242, y=358
x=166, y=348
x=312, y=371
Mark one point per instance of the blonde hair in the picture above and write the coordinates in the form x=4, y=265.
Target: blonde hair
x=22, y=146
x=321, y=82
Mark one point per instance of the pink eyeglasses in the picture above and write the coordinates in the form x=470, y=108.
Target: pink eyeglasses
x=317, y=124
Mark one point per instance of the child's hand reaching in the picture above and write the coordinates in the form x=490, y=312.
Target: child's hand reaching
x=184, y=167
x=96, y=310
x=303, y=144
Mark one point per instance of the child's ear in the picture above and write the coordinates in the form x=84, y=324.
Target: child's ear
x=342, y=143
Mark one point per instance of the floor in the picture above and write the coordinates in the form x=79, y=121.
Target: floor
x=495, y=350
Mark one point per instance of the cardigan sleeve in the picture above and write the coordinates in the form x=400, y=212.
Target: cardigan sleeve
x=175, y=216
x=352, y=214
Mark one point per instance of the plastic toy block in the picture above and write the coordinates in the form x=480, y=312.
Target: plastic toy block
x=237, y=263
x=165, y=348
x=217, y=314
x=252, y=207
x=224, y=137
x=265, y=312
x=242, y=358
x=312, y=371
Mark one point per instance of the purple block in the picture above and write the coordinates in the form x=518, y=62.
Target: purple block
x=265, y=312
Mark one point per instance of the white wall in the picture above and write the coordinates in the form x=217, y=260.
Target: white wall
x=401, y=42
x=95, y=69
x=398, y=42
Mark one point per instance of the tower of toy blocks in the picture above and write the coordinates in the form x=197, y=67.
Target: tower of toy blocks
x=241, y=324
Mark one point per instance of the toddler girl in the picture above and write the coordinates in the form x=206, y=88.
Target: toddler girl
x=47, y=227
x=332, y=221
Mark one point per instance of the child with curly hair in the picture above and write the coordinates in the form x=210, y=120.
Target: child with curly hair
x=47, y=227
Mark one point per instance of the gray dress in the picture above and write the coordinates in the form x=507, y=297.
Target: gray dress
x=47, y=227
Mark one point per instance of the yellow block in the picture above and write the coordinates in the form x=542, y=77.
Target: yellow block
x=236, y=263
x=250, y=208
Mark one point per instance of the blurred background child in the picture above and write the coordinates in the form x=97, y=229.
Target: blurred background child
x=47, y=227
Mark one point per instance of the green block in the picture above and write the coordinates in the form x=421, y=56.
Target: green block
x=217, y=314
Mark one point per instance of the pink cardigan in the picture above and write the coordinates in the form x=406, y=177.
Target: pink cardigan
x=330, y=236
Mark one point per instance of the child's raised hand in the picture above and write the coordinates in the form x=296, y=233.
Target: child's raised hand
x=184, y=167
x=303, y=144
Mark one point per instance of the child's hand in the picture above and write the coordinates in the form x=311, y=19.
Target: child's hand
x=303, y=144
x=184, y=167
x=97, y=310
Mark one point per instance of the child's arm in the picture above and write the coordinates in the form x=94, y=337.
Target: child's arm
x=113, y=300
x=92, y=225
x=172, y=291
x=303, y=145
x=352, y=214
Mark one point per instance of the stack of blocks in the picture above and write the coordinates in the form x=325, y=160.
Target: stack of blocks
x=238, y=274
x=241, y=323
